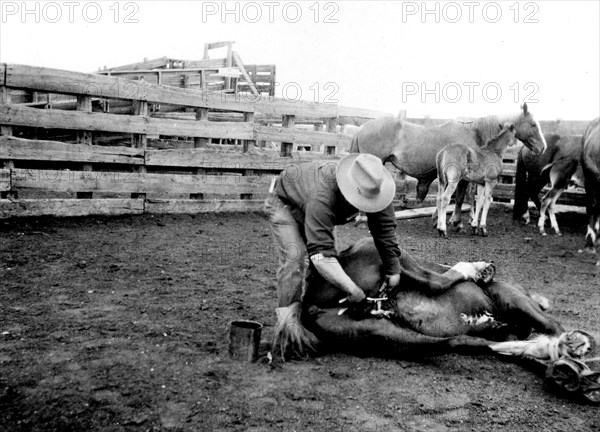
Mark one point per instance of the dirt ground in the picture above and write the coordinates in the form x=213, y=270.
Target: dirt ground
x=121, y=324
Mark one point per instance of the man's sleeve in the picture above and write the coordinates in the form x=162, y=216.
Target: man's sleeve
x=383, y=229
x=318, y=227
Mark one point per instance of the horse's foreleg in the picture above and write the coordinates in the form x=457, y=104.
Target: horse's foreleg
x=488, y=192
x=461, y=191
x=515, y=307
x=383, y=336
x=435, y=278
x=478, y=208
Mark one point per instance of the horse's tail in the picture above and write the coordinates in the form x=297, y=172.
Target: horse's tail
x=521, y=193
x=354, y=143
x=291, y=338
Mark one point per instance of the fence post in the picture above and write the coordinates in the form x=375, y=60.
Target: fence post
x=286, y=148
x=140, y=108
x=317, y=147
x=248, y=117
x=5, y=99
x=331, y=128
x=84, y=104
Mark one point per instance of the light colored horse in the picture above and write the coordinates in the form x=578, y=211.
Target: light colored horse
x=412, y=148
x=479, y=165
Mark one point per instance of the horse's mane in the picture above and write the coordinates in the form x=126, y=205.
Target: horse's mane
x=485, y=128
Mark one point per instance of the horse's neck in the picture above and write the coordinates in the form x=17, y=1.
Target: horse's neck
x=498, y=145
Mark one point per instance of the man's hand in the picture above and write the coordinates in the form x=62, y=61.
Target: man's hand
x=356, y=295
x=392, y=281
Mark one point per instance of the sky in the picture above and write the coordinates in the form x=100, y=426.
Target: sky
x=434, y=59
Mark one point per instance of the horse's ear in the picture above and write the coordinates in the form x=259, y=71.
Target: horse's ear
x=525, y=108
x=511, y=127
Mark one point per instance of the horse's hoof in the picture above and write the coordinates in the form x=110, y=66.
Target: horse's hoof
x=558, y=233
x=487, y=274
x=442, y=233
x=483, y=232
x=474, y=230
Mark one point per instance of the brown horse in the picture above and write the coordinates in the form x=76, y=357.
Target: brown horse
x=437, y=309
x=479, y=165
x=412, y=148
x=590, y=162
x=558, y=165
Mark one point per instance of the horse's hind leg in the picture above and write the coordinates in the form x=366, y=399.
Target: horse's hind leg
x=514, y=306
x=382, y=335
x=461, y=191
x=487, y=191
x=443, y=201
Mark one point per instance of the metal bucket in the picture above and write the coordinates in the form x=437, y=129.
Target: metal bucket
x=244, y=340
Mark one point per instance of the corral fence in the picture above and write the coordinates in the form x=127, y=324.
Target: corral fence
x=111, y=145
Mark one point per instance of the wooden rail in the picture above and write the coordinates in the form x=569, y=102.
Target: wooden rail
x=109, y=145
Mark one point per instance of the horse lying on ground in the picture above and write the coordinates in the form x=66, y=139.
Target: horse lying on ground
x=590, y=163
x=558, y=165
x=412, y=148
x=479, y=165
x=437, y=309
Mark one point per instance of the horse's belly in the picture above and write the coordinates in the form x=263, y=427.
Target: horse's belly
x=452, y=313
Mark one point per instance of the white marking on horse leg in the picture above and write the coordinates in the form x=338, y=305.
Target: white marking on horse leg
x=479, y=206
x=488, y=190
x=526, y=217
x=444, y=201
x=553, y=221
x=544, y=207
x=471, y=270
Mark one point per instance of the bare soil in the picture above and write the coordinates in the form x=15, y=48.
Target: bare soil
x=121, y=324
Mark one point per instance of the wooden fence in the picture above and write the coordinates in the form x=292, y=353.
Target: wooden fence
x=110, y=145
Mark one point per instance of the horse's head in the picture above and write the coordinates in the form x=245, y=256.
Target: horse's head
x=506, y=137
x=528, y=131
x=508, y=134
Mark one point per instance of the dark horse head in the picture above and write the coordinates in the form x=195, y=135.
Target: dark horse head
x=529, y=132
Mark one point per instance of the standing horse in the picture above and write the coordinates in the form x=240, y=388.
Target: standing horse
x=590, y=162
x=412, y=148
x=558, y=165
x=479, y=165
x=437, y=309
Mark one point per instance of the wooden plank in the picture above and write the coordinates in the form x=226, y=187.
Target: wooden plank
x=345, y=111
x=146, y=64
x=216, y=45
x=69, y=207
x=23, y=116
x=23, y=149
x=75, y=83
x=301, y=136
x=415, y=213
x=300, y=108
x=240, y=64
x=135, y=182
x=205, y=158
x=203, y=206
x=4, y=179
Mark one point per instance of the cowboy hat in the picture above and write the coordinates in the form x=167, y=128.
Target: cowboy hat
x=365, y=182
